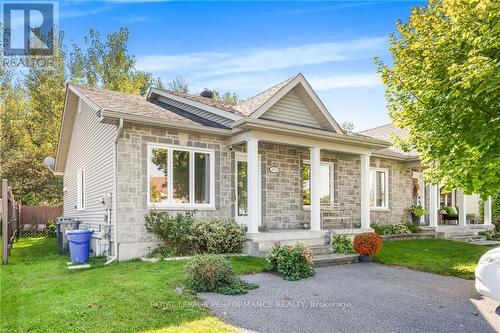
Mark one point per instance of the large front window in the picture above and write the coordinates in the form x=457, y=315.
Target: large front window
x=326, y=184
x=379, y=193
x=180, y=177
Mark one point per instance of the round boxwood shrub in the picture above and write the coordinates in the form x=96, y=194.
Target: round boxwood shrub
x=213, y=273
x=218, y=235
x=368, y=243
x=291, y=262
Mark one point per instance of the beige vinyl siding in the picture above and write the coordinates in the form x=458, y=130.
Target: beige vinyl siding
x=92, y=149
x=290, y=109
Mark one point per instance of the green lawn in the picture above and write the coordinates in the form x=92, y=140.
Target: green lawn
x=433, y=255
x=39, y=294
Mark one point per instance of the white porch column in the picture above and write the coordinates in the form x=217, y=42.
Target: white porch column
x=433, y=205
x=487, y=212
x=462, y=211
x=365, y=191
x=315, y=175
x=253, y=179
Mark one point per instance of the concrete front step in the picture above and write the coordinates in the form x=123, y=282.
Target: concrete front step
x=332, y=259
x=467, y=238
x=267, y=245
x=321, y=249
x=283, y=235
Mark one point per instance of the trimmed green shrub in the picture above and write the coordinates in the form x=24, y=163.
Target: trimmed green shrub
x=218, y=236
x=392, y=229
x=162, y=252
x=291, y=262
x=213, y=273
x=342, y=244
x=174, y=231
x=413, y=228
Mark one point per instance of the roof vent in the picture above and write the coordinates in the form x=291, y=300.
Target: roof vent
x=207, y=93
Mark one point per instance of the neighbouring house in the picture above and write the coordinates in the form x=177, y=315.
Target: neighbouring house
x=277, y=162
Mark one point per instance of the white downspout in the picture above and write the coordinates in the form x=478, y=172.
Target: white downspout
x=118, y=133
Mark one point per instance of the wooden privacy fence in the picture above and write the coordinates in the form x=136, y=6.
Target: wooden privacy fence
x=34, y=219
x=10, y=221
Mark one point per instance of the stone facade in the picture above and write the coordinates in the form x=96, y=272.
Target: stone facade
x=282, y=206
x=132, y=182
x=281, y=191
x=400, y=193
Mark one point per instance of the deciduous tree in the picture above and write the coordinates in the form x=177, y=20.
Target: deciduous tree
x=443, y=88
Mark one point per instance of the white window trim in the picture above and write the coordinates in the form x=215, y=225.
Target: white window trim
x=386, y=207
x=79, y=193
x=184, y=206
x=332, y=181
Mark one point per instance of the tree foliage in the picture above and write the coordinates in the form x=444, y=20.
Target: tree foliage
x=109, y=65
x=443, y=88
x=32, y=103
x=227, y=97
x=179, y=84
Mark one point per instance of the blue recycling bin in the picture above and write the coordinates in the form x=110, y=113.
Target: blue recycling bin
x=79, y=245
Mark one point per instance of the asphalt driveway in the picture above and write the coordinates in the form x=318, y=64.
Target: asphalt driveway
x=359, y=298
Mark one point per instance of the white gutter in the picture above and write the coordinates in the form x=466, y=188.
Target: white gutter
x=115, y=243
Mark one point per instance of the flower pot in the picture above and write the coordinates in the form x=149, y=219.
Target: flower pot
x=415, y=219
x=365, y=258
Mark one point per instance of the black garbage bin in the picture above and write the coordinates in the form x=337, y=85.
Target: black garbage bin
x=63, y=224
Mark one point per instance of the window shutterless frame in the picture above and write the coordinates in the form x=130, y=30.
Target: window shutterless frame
x=191, y=204
x=80, y=188
x=332, y=182
x=373, y=180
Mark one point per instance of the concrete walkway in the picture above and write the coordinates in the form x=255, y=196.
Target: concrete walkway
x=359, y=298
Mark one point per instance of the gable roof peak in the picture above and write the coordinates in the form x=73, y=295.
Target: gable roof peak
x=249, y=105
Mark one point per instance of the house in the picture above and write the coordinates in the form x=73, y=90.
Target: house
x=277, y=162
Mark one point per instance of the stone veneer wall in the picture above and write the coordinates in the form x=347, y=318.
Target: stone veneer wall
x=132, y=182
x=400, y=192
x=281, y=192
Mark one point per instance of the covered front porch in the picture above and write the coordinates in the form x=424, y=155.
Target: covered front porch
x=453, y=210
x=299, y=188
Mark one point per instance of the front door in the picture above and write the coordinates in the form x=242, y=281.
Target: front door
x=241, y=210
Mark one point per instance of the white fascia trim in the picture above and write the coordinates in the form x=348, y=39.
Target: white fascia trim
x=397, y=158
x=196, y=104
x=285, y=89
x=84, y=98
x=58, y=153
x=107, y=114
x=298, y=131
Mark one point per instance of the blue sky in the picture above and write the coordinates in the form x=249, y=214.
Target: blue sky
x=246, y=47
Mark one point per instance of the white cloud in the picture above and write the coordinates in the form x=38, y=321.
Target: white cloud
x=329, y=82
x=264, y=59
x=68, y=14
x=254, y=83
x=130, y=19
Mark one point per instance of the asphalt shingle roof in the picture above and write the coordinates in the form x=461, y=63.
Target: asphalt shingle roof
x=207, y=101
x=248, y=106
x=387, y=133
x=139, y=105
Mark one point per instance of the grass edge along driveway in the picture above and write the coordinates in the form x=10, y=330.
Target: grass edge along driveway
x=444, y=257
x=39, y=294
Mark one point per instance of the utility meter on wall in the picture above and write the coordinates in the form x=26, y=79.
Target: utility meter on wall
x=106, y=201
